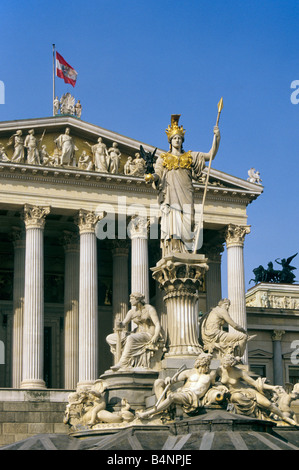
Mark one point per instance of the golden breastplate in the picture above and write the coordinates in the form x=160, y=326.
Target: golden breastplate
x=172, y=162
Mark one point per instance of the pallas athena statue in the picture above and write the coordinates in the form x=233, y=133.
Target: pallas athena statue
x=173, y=175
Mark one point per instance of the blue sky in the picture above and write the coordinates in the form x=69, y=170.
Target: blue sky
x=138, y=62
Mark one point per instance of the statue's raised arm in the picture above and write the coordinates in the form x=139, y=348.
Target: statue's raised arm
x=215, y=146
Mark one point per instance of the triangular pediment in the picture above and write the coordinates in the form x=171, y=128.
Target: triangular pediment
x=85, y=134
x=259, y=354
x=221, y=179
x=291, y=354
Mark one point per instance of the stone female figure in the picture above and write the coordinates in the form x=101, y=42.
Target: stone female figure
x=139, y=344
x=100, y=155
x=246, y=394
x=19, y=153
x=173, y=176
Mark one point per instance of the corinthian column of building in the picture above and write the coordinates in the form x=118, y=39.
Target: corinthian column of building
x=33, y=325
x=235, y=235
x=137, y=231
x=120, y=290
x=88, y=298
x=277, y=357
x=18, y=305
x=71, y=310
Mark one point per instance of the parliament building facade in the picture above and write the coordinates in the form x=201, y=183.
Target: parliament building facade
x=74, y=243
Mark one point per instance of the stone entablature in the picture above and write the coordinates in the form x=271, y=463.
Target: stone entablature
x=269, y=295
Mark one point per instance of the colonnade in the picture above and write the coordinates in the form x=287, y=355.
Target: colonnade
x=80, y=292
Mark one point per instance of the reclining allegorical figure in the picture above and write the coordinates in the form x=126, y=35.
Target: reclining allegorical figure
x=197, y=382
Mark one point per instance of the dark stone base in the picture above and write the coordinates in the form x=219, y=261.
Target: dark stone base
x=212, y=430
x=135, y=386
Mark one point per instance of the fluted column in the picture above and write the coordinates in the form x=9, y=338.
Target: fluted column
x=88, y=298
x=277, y=357
x=33, y=338
x=154, y=258
x=71, y=310
x=138, y=232
x=182, y=323
x=161, y=308
x=181, y=279
x=18, y=305
x=235, y=235
x=213, y=275
x=120, y=290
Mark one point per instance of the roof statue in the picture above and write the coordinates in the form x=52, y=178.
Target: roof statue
x=283, y=276
x=67, y=105
x=286, y=274
x=254, y=176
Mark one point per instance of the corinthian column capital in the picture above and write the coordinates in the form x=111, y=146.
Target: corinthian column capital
x=34, y=216
x=235, y=234
x=277, y=335
x=138, y=227
x=87, y=221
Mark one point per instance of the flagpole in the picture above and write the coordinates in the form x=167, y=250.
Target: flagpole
x=53, y=76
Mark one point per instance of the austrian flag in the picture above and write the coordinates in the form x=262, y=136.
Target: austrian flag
x=65, y=71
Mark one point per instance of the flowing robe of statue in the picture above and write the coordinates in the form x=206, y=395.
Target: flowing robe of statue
x=173, y=175
x=100, y=156
x=176, y=193
x=115, y=156
x=32, y=149
x=139, y=344
x=19, y=153
x=66, y=144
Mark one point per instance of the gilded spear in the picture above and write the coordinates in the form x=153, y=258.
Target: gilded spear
x=199, y=234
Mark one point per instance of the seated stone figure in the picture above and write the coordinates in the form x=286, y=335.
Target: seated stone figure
x=85, y=161
x=3, y=155
x=213, y=337
x=140, y=345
